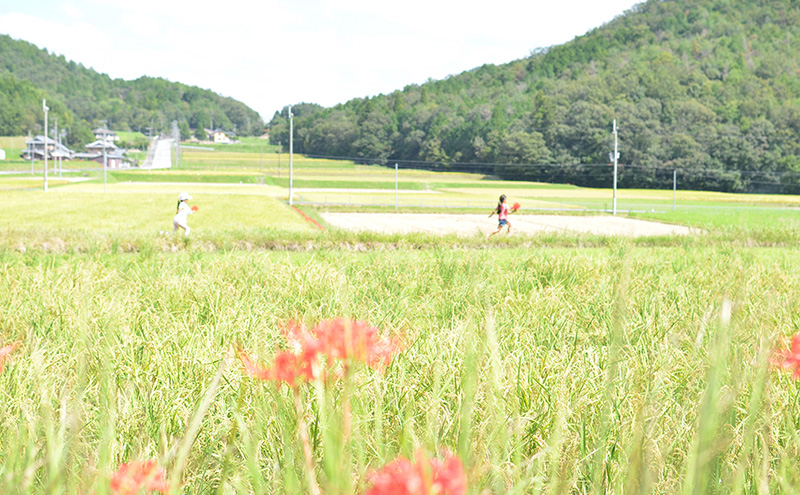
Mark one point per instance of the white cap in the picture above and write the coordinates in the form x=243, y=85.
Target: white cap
x=183, y=196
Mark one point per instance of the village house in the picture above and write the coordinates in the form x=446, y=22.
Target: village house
x=114, y=155
x=101, y=133
x=218, y=136
x=35, y=149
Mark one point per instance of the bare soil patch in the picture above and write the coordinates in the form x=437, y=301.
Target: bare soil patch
x=472, y=225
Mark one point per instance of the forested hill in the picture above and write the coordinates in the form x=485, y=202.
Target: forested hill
x=80, y=98
x=708, y=87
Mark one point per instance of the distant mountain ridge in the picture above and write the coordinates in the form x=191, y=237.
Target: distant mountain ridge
x=80, y=98
x=710, y=88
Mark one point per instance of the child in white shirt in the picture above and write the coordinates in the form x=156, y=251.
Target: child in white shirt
x=179, y=220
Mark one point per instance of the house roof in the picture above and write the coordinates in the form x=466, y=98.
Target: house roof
x=40, y=141
x=88, y=155
x=95, y=156
x=103, y=131
x=102, y=143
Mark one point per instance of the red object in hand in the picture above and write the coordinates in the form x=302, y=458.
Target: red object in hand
x=195, y=208
x=515, y=207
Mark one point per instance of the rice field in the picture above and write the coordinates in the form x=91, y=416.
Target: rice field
x=549, y=364
x=604, y=370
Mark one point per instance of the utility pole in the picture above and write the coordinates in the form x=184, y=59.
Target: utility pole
x=105, y=167
x=176, y=135
x=44, y=107
x=56, y=163
x=674, y=189
x=30, y=149
x=61, y=141
x=291, y=156
x=616, y=157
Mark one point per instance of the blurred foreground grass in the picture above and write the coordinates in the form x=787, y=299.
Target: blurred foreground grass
x=607, y=370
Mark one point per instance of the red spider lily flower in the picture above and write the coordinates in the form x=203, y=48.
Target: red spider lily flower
x=790, y=358
x=133, y=477
x=288, y=367
x=516, y=206
x=355, y=339
x=437, y=477
x=382, y=352
x=448, y=475
x=5, y=351
x=195, y=208
x=301, y=341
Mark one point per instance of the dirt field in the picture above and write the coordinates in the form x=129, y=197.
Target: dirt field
x=471, y=225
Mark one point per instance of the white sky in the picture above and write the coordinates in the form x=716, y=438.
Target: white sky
x=271, y=53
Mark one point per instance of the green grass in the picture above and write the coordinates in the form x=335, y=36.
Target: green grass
x=186, y=176
x=12, y=182
x=245, y=145
x=130, y=136
x=17, y=143
x=602, y=370
x=133, y=214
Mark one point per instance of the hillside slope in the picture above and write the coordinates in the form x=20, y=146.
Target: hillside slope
x=82, y=97
x=710, y=88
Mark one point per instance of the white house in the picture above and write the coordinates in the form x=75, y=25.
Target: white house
x=105, y=135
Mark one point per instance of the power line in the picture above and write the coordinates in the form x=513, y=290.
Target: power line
x=477, y=165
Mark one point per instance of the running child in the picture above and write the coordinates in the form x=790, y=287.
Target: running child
x=181, y=216
x=502, y=211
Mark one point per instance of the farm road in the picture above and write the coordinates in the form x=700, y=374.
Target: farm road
x=470, y=225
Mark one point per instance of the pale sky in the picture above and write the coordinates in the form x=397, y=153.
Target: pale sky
x=272, y=53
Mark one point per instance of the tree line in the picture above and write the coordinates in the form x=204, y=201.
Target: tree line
x=82, y=98
x=710, y=88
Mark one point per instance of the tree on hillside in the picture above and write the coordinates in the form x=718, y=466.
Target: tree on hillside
x=186, y=133
x=200, y=134
x=706, y=87
x=88, y=96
